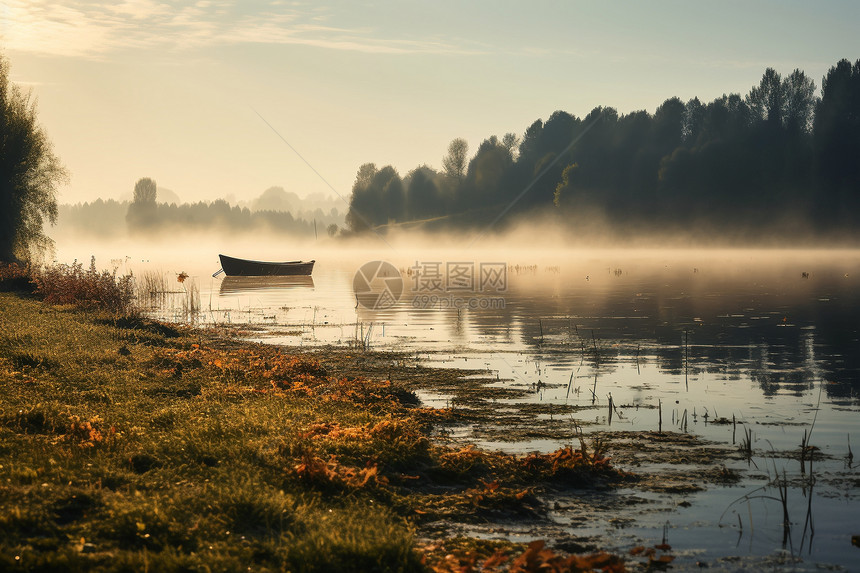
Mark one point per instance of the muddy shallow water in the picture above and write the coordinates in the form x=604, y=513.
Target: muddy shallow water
x=742, y=350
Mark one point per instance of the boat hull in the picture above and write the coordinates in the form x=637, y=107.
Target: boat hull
x=234, y=267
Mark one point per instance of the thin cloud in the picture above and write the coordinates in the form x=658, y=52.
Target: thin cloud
x=141, y=9
x=285, y=29
x=29, y=83
x=94, y=30
x=48, y=28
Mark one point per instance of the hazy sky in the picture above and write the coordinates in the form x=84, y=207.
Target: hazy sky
x=176, y=90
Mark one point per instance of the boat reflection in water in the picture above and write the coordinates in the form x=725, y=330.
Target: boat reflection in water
x=240, y=285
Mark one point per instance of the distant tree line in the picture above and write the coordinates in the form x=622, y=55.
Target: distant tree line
x=146, y=215
x=101, y=218
x=778, y=153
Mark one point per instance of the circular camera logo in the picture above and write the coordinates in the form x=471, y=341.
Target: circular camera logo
x=377, y=285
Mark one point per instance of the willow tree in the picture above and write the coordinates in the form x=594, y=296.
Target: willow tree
x=29, y=175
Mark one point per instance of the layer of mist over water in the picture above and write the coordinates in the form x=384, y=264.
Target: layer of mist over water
x=699, y=339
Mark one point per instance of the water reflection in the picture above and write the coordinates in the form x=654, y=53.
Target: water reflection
x=244, y=285
x=786, y=323
x=683, y=347
x=785, y=333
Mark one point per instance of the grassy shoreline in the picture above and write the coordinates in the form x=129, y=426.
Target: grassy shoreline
x=133, y=445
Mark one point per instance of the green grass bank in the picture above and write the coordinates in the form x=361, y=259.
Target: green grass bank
x=131, y=445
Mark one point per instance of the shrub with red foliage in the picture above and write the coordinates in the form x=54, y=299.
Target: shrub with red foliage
x=90, y=289
x=15, y=278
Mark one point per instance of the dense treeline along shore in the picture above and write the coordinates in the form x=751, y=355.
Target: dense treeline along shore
x=132, y=444
x=779, y=160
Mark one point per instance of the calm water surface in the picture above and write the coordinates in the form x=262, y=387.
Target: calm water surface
x=770, y=339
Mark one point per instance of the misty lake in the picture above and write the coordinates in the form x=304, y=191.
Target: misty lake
x=725, y=345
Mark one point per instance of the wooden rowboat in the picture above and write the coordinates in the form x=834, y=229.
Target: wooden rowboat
x=234, y=267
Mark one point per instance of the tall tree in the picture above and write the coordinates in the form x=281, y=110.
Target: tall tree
x=528, y=145
x=143, y=211
x=423, y=197
x=543, y=160
x=800, y=101
x=837, y=141
x=726, y=118
x=767, y=100
x=511, y=142
x=456, y=161
x=362, y=204
x=669, y=125
x=393, y=194
x=145, y=190
x=29, y=175
x=378, y=198
x=694, y=119
x=364, y=176
x=486, y=173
